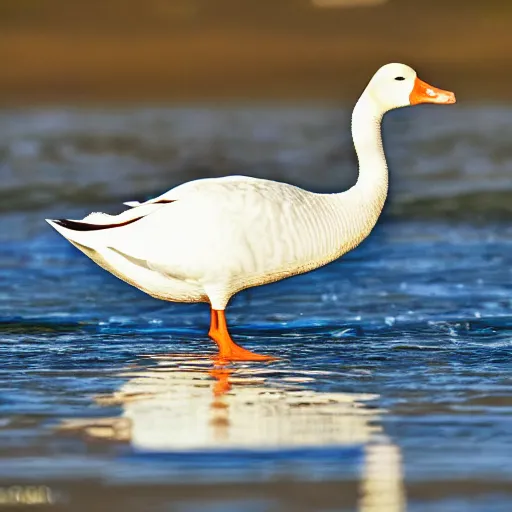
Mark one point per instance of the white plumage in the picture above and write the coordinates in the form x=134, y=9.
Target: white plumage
x=208, y=239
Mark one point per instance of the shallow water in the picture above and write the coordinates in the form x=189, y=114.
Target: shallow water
x=393, y=386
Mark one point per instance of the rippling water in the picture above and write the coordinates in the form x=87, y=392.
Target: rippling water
x=393, y=385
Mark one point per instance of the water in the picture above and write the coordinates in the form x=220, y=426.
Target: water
x=393, y=386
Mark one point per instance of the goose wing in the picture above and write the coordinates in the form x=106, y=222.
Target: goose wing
x=207, y=231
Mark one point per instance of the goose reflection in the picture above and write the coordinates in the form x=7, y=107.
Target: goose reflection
x=183, y=403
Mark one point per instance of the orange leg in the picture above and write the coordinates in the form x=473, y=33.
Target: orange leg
x=214, y=324
x=228, y=349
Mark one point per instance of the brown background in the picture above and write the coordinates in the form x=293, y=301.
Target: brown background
x=63, y=51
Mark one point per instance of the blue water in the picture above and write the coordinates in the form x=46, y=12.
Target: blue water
x=392, y=390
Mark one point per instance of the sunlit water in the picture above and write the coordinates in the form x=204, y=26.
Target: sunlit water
x=392, y=390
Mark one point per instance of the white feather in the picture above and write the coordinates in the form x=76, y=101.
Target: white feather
x=98, y=218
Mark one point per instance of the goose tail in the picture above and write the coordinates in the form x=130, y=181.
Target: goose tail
x=85, y=233
x=97, y=228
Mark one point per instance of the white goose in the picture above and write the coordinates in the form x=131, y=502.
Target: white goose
x=206, y=240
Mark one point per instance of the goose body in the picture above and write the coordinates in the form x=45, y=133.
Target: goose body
x=207, y=239
x=212, y=238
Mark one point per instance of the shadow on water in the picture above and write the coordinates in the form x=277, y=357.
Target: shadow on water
x=39, y=327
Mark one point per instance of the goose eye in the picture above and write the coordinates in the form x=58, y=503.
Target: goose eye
x=399, y=78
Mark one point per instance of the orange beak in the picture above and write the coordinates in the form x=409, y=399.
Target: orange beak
x=424, y=93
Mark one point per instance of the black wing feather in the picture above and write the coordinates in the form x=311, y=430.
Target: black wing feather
x=85, y=226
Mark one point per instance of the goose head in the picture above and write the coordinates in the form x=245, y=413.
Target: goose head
x=397, y=85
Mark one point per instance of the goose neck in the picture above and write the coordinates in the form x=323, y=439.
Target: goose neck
x=367, y=137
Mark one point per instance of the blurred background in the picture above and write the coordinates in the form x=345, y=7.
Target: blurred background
x=393, y=388
x=113, y=100
x=197, y=50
